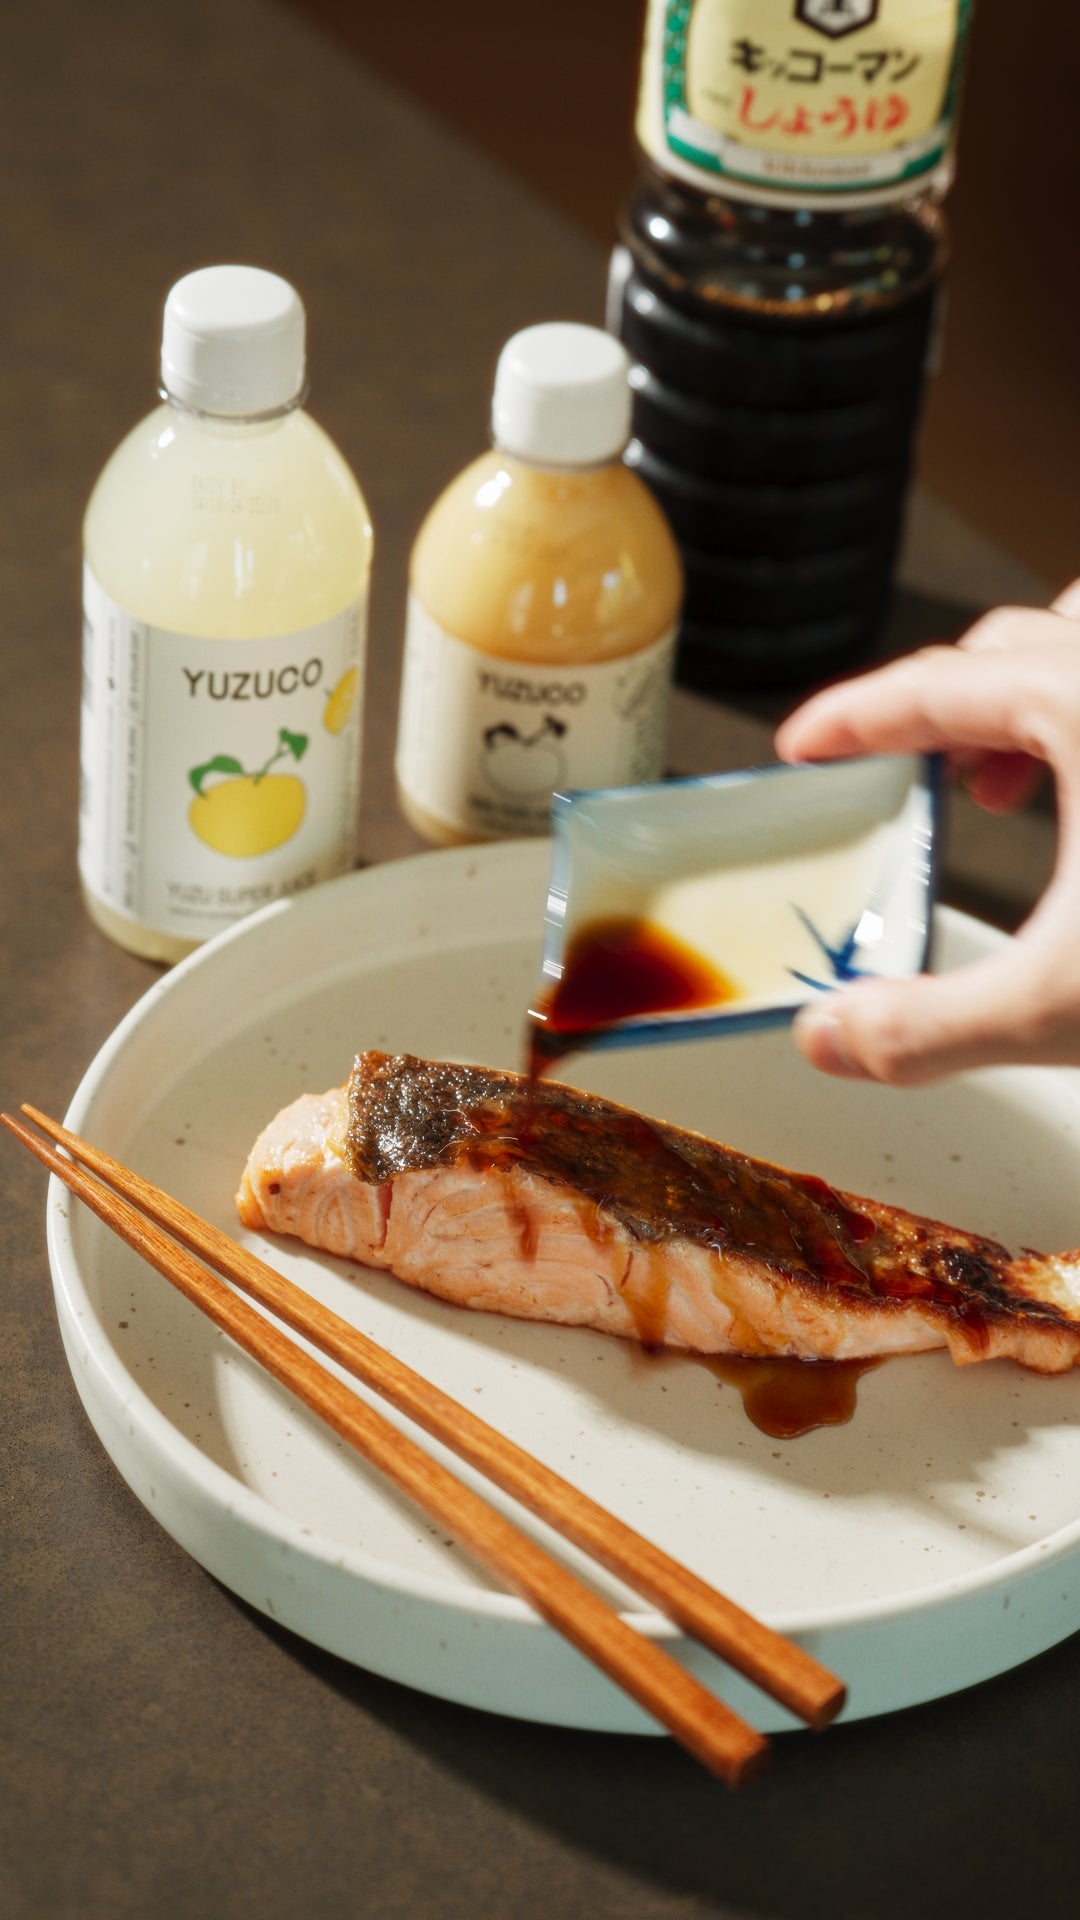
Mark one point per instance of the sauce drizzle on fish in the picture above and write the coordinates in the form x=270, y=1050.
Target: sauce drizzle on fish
x=552, y=1204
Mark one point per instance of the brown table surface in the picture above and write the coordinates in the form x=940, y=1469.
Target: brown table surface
x=164, y=1750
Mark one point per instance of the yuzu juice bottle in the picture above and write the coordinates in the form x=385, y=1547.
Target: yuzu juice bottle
x=227, y=552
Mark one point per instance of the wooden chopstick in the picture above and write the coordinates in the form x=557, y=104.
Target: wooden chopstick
x=763, y=1656
x=774, y=1663
x=702, y=1723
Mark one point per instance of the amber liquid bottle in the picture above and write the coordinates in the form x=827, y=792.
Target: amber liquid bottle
x=777, y=287
x=544, y=592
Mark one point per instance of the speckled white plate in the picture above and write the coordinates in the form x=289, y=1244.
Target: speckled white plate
x=930, y=1543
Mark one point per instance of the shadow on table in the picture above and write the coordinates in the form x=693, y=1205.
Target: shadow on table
x=964, y=1806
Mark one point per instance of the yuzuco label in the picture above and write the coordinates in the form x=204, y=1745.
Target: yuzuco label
x=217, y=775
x=803, y=99
x=483, y=742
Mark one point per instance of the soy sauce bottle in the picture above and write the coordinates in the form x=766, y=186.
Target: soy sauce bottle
x=776, y=285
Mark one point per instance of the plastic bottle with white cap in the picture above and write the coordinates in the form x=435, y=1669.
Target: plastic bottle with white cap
x=227, y=552
x=544, y=592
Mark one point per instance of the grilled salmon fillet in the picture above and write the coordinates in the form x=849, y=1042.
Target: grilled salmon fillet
x=550, y=1204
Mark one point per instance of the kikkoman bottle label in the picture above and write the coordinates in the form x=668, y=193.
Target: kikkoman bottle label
x=843, y=101
x=483, y=741
x=217, y=775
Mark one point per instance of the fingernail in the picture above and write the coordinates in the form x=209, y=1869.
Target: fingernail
x=820, y=1035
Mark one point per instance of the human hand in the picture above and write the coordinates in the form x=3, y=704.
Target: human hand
x=1004, y=705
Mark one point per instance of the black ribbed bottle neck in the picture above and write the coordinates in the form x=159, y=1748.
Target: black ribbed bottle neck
x=707, y=252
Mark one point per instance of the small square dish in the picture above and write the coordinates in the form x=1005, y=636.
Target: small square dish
x=701, y=906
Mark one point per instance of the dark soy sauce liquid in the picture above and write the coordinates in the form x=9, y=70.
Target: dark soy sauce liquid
x=786, y=1398
x=618, y=968
x=781, y=1397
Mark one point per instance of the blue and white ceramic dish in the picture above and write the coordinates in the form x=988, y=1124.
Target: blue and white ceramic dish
x=787, y=881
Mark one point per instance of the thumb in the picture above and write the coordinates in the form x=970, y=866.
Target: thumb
x=1067, y=602
x=904, y=1032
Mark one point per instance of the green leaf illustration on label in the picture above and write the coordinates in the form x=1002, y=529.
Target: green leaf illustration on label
x=244, y=814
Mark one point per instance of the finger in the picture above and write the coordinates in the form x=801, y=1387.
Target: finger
x=1011, y=629
x=906, y=1032
x=944, y=699
x=1001, y=782
x=838, y=720
x=851, y=716
x=1067, y=602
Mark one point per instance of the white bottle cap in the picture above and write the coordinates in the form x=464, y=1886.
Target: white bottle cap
x=562, y=395
x=233, y=342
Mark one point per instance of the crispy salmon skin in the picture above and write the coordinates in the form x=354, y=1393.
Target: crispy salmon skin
x=550, y=1204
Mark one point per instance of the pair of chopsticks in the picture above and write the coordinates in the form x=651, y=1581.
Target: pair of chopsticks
x=138, y=1212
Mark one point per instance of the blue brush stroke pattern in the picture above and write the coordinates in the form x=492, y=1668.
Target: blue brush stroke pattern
x=839, y=958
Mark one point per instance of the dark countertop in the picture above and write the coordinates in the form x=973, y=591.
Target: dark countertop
x=164, y=1749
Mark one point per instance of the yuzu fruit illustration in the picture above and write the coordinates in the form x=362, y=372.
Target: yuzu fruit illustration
x=245, y=814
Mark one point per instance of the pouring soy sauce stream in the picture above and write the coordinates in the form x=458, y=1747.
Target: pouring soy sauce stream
x=620, y=968
x=695, y=907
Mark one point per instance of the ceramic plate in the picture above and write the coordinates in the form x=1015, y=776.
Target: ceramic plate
x=933, y=1541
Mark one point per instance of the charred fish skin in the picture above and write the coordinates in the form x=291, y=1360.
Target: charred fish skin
x=659, y=1182
x=406, y=1113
